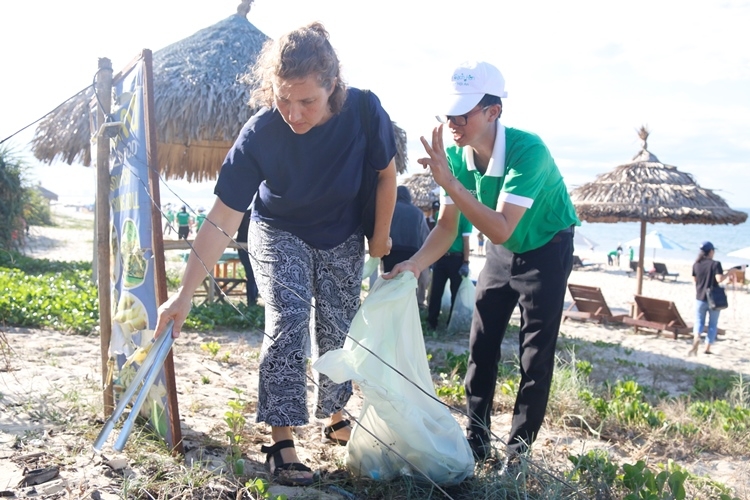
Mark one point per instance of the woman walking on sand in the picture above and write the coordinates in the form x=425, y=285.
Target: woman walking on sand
x=300, y=161
x=707, y=273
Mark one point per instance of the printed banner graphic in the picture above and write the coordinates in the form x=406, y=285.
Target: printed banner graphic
x=134, y=301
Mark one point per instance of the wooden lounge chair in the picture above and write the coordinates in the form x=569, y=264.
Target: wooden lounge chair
x=589, y=304
x=660, y=271
x=578, y=264
x=735, y=279
x=660, y=315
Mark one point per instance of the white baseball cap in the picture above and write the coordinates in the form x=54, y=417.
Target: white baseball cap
x=471, y=80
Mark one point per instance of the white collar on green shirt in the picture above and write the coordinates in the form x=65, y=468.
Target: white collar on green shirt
x=496, y=168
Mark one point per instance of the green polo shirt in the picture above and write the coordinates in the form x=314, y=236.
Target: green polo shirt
x=522, y=172
x=464, y=229
x=199, y=219
x=183, y=218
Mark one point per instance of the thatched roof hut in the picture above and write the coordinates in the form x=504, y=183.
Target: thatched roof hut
x=424, y=190
x=646, y=190
x=200, y=104
x=650, y=191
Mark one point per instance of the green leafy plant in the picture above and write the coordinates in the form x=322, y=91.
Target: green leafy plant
x=235, y=420
x=626, y=405
x=211, y=347
x=206, y=317
x=643, y=484
x=259, y=487
x=39, y=293
x=450, y=387
x=712, y=384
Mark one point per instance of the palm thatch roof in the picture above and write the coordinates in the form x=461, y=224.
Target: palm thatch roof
x=201, y=105
x=423, y=189
x=646, y=190
x=650, y=191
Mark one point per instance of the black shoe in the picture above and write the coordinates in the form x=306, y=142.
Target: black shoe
x=480, y=447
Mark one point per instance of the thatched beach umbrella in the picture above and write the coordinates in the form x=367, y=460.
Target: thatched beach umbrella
x=424, y=190
x=201, y=105
x=646, y=190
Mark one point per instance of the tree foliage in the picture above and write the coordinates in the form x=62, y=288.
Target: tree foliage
x=11, y=199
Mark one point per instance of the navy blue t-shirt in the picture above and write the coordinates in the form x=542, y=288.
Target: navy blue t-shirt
x=307, y=184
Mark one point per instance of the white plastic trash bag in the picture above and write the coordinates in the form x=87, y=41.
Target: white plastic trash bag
x=371, y=265
x=445, y=300
x=463, y=307
x=419, y=428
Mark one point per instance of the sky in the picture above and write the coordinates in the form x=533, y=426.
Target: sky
x=582, y=74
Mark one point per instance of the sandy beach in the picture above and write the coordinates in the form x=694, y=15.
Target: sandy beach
x=37, y=371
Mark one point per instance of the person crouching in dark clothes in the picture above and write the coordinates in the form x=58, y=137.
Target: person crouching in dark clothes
x=408, y=230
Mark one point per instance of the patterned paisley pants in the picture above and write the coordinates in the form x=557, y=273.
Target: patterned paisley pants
x=289, y=274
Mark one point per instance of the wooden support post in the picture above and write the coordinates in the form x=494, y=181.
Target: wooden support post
x=104, y=93
x=158, y=242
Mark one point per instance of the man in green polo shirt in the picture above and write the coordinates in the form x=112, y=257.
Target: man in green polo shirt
x=183, y=223
x=506, y=183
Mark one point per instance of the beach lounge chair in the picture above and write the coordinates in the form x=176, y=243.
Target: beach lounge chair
x=660, y=271
x=735, y=279
x=578, y=264
x=589, y=304
x=660, y=315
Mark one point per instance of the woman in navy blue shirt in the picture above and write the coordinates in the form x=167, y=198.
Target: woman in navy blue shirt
x=707, y=273
x=301, y=158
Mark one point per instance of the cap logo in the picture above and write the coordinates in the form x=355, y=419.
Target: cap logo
x=462, y=79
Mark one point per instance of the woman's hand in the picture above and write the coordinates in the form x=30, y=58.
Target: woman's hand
x=176, y=308
x=378, y=247
x=436, y=160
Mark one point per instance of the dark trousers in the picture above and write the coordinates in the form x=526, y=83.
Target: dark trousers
x=536, y=281
x=396, y=256
x=251, y=288
x=446, y=268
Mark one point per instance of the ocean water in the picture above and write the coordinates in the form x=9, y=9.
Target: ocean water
x=726, y=238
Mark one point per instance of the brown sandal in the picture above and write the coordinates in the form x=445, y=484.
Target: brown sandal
x=279, y=466
x=330, y=429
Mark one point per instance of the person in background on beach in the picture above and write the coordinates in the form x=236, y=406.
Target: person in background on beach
x=453, y=266
x=631, y=254
x=432, y=219
x=707, y=273
x=480, y=244
x=200, y=219
x=170, y=220
x=183, y=223
x=506, y=183
x=613, y=258
x=300, y=161
x=408, y=231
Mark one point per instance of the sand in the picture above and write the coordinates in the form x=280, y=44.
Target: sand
x=41, y=374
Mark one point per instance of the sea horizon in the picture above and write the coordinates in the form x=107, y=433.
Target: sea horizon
x=606, y=235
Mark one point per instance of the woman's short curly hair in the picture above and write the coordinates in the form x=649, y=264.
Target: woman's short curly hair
x=297, y=54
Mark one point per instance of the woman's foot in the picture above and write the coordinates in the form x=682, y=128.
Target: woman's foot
x=338, y=430
x=284, y=464
x=696, y=342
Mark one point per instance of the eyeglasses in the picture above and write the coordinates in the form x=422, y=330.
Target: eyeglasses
x=460, y=120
